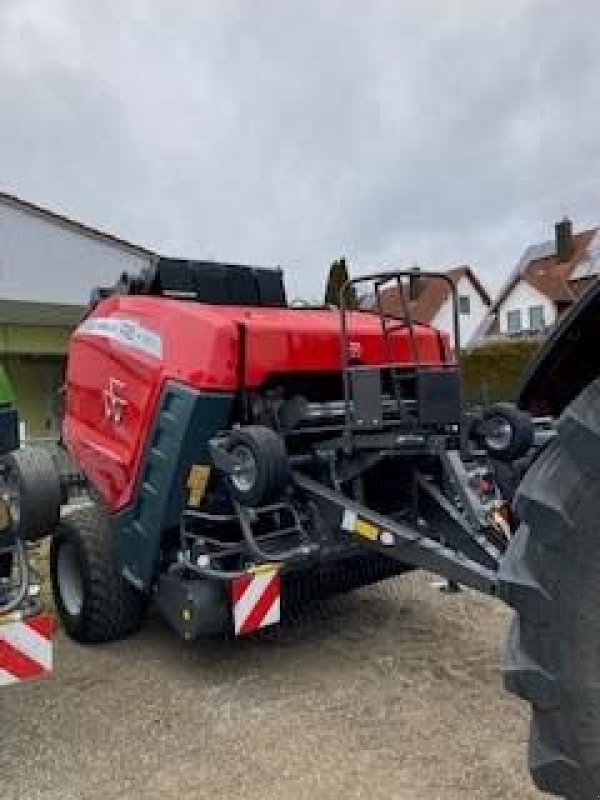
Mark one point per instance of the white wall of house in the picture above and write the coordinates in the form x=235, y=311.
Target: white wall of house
x=468, y=322
x=523, y=297
x=44, y=260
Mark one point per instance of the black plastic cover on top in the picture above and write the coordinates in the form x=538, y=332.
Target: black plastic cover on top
x=204, y=281
x=220, y=284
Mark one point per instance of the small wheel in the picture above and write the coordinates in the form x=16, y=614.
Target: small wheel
x=262, y=470
x=30, y=487
x=507, y=433
x=95, y=603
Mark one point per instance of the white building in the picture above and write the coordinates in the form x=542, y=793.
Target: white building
x=48, y=258
x=547, y=280
x=526, y=309
x=48, y=266
x=473, y=305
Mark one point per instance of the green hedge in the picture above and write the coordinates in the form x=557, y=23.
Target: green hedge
x=494, y=371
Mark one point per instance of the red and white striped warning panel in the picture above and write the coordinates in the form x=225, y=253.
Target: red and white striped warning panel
x=256, y=600
x=25, y=648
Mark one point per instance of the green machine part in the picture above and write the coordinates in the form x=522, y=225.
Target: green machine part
x=7, y=393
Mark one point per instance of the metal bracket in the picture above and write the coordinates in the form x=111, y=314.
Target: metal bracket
x=398, y=540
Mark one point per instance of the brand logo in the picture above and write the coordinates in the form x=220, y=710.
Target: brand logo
x=114, y=402
x=126, y=332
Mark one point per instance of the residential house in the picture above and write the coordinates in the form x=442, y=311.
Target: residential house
x=48, y=266
x=431, y=302
x=547, y=280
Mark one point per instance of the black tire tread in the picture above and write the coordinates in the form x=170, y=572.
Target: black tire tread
x=38, y=482
x=114, y=608
x=522, y=431
x=271, y=454
x=550, y=575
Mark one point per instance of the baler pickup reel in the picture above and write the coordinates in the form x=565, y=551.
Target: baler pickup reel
x=393, y=468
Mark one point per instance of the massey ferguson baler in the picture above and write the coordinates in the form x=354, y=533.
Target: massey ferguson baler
x=240, y=457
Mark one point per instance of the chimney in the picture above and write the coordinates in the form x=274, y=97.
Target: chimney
x=564, y=239
x=415, y=284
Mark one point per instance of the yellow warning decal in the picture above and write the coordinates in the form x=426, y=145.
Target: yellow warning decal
x=352, y=523
x=367, y=529
x=196, y=484
x=262, y=569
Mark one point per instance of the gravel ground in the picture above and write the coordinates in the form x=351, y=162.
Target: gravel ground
x=393, y=692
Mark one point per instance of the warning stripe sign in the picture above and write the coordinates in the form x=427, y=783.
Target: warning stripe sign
x=256, y=601
x=25, y=648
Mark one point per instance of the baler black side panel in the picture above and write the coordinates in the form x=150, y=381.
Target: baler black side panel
x=438, y=397
x=185, y=420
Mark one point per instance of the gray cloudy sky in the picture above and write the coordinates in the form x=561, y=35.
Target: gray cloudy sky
x=292, y=131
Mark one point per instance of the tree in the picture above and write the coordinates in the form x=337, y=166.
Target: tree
x=338, y=275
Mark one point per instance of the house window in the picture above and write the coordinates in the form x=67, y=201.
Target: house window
x=513, y=321
x=536, y=318
x=464, y=304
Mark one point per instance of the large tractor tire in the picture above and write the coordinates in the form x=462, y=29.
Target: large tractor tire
x=551, y=576
x=94, y=601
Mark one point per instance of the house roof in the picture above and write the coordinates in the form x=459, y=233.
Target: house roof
x=68, y=222
x=546, y=273
x=559, y=281
x=432, y=296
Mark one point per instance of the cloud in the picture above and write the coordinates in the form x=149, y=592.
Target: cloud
x=290, y=133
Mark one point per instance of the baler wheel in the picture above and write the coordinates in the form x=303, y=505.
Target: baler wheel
x=94, y=601
x=264, y=467
x=551, y=576
x=508, y=432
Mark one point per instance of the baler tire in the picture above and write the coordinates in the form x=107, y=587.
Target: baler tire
x=31, y=474
x=111, y=608
x=272, y=465
x=551, y=576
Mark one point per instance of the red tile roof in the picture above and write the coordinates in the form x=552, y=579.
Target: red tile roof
x=550, y=276
x=432, y=296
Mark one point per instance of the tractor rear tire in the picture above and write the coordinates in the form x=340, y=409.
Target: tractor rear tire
x=551, y=576
x=94, y=601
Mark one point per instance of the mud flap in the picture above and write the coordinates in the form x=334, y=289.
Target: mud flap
x=194, y=608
